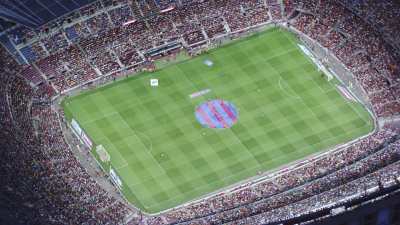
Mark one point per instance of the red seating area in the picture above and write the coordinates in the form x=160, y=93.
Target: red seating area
x=362, y=50
x=62, y=191
x=32, y=74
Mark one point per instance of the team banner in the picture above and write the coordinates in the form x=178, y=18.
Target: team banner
x=76, y=127
x=86, y=140
x=81, y=134
x=115, y=178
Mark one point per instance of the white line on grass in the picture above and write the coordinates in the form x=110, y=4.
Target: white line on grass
x=191, y=82
x=100, y=118
x=122, y=166
x=277, y=158
x=356, y=111
x=309, y=109
x=117, y=152
x=251, y=156
x=238, y=140
x=320, y=88
x=329, y=107
x=349, y=103
x=301, y=99
x=309, y=60
x=283, y=89
x=144, y=146
x=333, y=87
x=310, y=78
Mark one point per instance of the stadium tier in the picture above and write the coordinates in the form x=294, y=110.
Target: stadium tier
x=199, y=112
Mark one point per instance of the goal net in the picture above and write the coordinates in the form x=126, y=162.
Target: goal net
x=321, y=67
x=102, y=153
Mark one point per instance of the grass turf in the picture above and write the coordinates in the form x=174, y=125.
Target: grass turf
x=165, y=157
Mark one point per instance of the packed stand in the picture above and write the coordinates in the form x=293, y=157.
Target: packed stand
x=54, y=183
x=357, y=45
x=62, y=190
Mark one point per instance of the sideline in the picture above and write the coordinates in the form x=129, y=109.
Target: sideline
x=269, y=174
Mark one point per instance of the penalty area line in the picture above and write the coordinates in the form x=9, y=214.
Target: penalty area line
x=285, y=91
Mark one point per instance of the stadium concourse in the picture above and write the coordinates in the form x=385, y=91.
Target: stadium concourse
x=41, y=175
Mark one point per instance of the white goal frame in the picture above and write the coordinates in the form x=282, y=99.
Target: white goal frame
x=103, y=154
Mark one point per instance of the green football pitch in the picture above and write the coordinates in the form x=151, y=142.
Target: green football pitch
x=165, y=157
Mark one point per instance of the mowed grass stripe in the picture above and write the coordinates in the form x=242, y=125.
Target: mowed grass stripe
x=286, y=112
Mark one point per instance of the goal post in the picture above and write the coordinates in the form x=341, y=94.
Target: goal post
x=329, y=76
x=103, y=154
x=320, y=64
x=105, y=158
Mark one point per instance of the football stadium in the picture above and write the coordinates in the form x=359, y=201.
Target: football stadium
x=194, y=112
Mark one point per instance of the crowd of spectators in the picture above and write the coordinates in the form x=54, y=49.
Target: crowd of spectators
x=383, y=15
x=373, y=61
x=62, y=192
x=141, y=26
x=39, y=165
x=330, y=172
x=32, y=75
x=55, y=42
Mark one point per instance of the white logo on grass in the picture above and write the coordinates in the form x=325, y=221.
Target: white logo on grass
x=208, y=62
x=154, y=82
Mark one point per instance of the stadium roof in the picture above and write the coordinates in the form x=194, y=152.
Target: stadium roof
x=34, y=13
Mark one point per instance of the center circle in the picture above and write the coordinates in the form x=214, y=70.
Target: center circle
x=217, y=114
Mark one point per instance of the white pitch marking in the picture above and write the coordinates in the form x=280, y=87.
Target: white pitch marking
x=285, y=91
